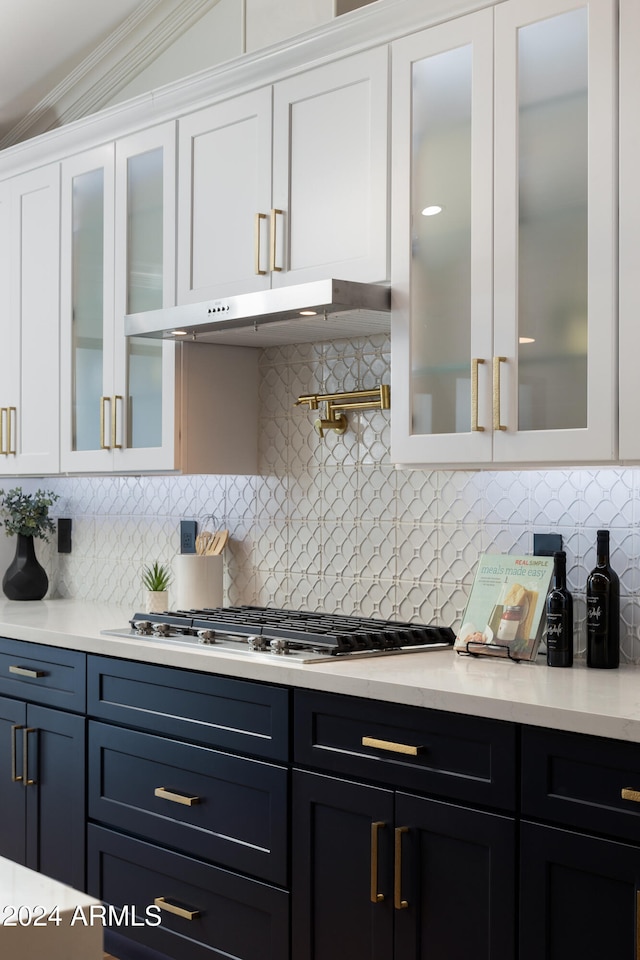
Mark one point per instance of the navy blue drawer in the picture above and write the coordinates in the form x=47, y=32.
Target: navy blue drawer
x=223, y=914
x=51, y=676
x=227, y=809
x=216, y=711
x=587, y=782
x=441, y=754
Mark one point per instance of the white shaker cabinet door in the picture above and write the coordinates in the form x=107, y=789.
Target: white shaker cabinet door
x=330, y=193
x=29, y=290
x=224, y=198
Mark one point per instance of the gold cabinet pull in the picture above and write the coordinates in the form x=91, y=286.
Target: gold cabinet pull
x=103, y=429
x=14, y=751
x=174, y=908
x=3, y=411
x=256, y=243
x=375, y=829
x=25, y=756
x=398, y=902
x=11, y=436
x=26, y=672
x=496, y=393
x=393, y=747
x=474, y=395
x=165, y=794
x=272, y=264
x=628, y=793
x=114, y=423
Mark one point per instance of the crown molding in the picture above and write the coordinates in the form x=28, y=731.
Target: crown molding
x=138, y=41
x=372, y=25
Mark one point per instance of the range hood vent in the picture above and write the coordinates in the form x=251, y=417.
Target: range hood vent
x=307, y=312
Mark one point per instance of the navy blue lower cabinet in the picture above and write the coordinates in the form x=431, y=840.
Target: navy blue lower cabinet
x=379, y=874
x=42, y=791
x=456, y=876
x=181, y=907
x=13, y=821
x=335, y=916
x=580, y=896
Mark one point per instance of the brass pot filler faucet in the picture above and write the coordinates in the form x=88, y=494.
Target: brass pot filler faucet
x=334, y=419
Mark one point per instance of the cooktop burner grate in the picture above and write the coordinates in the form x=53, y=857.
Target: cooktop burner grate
x=303, y=635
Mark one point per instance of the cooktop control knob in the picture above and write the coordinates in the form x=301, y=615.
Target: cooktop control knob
x=161, y=629
x=257, y=643
x=206, y=636
x=279, y=647
x=141, y=626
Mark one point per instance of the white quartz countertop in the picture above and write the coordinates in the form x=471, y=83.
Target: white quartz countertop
x=601, y=702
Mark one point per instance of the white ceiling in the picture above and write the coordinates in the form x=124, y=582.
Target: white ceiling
x=42, y=41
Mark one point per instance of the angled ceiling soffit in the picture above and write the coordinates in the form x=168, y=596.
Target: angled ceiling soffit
x=137, y=42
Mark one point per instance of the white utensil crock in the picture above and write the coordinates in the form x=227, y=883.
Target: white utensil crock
x=198, y=581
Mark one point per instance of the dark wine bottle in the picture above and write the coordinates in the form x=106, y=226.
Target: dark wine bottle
x=603, y=610
x=559, y=616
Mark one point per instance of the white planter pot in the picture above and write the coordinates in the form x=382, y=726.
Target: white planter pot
x=156, y=601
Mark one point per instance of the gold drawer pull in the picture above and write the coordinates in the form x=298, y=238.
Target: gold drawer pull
x=25, y=672
x=173, y=908
x=165, y=794
x=627, y=793
x=398, y=902
x=374, y=895
x=393, y=747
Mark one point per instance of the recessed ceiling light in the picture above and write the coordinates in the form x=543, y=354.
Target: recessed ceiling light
x=178, y=333
x=308, y=313
x=432, y=210
x=526, y=339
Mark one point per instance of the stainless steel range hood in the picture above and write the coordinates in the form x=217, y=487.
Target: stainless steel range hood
x=322, y=310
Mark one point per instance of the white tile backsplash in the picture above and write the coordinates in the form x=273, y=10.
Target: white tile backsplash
x=331, y=524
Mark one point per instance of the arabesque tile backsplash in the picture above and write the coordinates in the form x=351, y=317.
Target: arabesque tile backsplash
x=330, y=524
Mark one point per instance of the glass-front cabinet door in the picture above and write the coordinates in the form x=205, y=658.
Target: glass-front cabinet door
x=144, y=280
x=555, y=221
x=441, y=251
x=504, y=212
x=118, y=224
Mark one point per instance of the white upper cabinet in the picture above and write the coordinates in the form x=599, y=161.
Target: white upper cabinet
x=132, y=404
x=224, y=198
x=330, y=172
x=29, y=323
x=629, y=293
x=286, y=184
x=504, y=324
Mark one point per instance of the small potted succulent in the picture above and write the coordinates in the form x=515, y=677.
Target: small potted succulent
x=26, y=515
x=156, y=579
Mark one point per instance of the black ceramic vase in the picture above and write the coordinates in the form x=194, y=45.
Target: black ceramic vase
x=25, y=579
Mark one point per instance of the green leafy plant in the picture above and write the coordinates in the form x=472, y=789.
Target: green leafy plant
x=157, y=577
x=27, y=513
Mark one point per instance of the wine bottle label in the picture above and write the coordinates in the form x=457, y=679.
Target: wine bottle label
x=597, y=615
x=556, y=631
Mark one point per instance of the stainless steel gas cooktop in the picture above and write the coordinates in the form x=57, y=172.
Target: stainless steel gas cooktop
x=299, y=636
